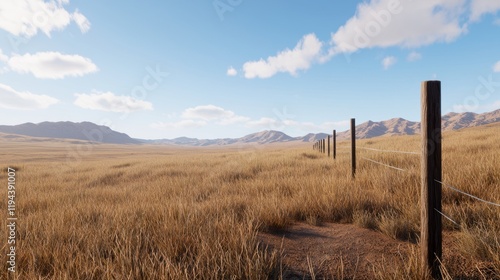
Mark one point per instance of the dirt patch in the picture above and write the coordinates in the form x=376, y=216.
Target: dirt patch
x=346, y=251
x=334, y=251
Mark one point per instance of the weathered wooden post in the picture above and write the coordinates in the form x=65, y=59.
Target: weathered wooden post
x=323, y=145
x=328, y=145
x=430, y=232
x=334, y=144
x=353, y=146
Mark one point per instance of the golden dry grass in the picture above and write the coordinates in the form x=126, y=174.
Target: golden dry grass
x=154, y=212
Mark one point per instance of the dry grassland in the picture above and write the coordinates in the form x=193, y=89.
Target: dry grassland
x=157, y=212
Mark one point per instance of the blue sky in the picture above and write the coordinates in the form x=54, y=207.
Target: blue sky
x=226, y=68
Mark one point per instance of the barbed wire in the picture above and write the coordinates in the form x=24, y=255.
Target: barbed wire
x=386, y=165
x=449, y=219
x=469, y=195
x=390, y=151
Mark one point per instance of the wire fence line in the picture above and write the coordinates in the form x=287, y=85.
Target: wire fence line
x=469, y=195
x=383, y=164
x=449, y=219
x=400, y=169
x=390, y=151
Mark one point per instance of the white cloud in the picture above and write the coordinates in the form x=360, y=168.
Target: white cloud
x=406, y=23
x=496, y=67
x=388, y=61
x=27, y=17
x=306, y=52
x=231, y=71
x=210, y=115
x=213, y=113
x=3, y=57
x=203, y=115
x=481, y=7
x=414, y=56
x=382, y=24
x=52, y=65
x=110, y=102
x=23, y=100
x=82, y=22
x=206, y=112
x=178, y=125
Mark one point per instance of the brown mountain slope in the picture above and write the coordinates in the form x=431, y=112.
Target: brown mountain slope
x=399, y=126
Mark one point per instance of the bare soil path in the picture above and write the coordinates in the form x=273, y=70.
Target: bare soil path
x=334, y=251
x=346, y=251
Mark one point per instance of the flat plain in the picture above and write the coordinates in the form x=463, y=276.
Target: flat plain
x=96, y=211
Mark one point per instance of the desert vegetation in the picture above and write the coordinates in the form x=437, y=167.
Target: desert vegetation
x=160, y=212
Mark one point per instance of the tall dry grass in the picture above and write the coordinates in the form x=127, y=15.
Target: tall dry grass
x=153, y=212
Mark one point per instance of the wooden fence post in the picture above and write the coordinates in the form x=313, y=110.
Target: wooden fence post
x=430, y=232
x=334, y=143
x=353, y=146
x=324, y=150
x=328, y=145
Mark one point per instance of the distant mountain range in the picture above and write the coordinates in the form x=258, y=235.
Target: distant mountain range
x=399, y=126
x=263, y=137
x=88, y=131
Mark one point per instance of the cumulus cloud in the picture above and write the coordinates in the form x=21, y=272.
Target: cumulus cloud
x=110, y=102
x=213, y=113
x=406, y=23
x=206, y=112
x=388, y=61
x=496, y=67
x=52, y=65
x=306, y=52
x=23, y=100
x=481, y=7
x=210, y=115
x=414, y=56
x=27, y=17
x=381, y=24
x=231, y=72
